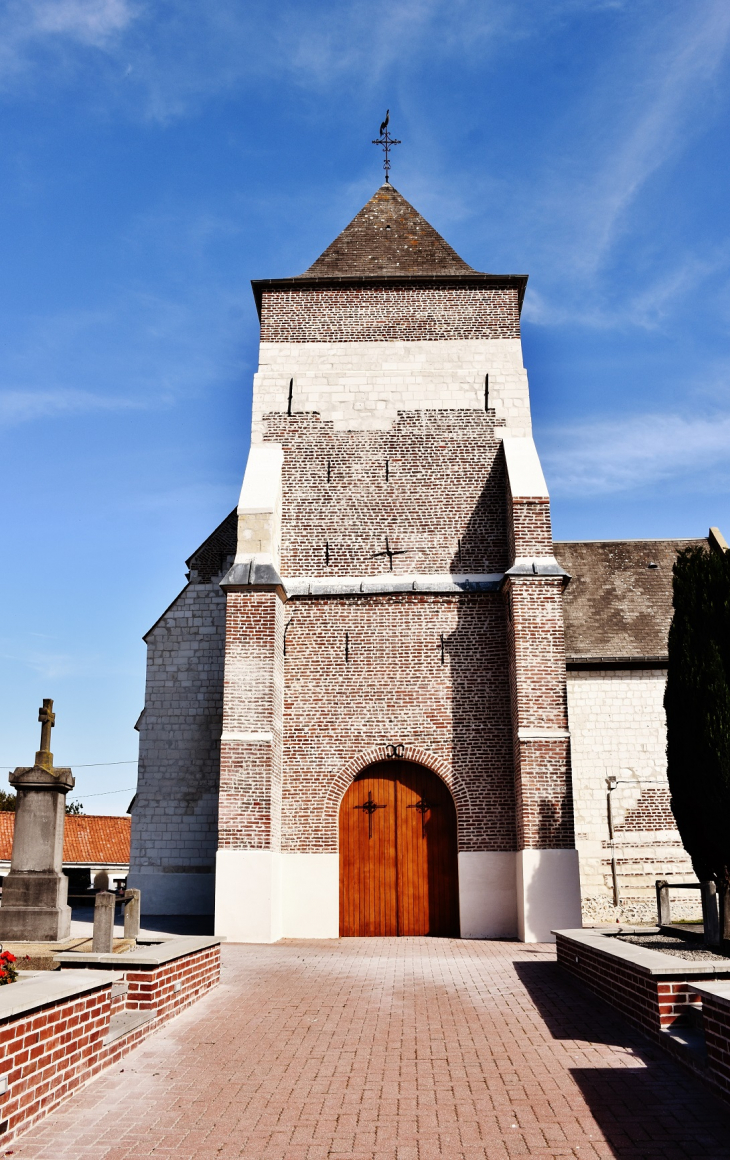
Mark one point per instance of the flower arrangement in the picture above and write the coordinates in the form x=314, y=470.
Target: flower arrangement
x=8, y=972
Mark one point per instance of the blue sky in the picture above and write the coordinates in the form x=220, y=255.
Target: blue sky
x=156, y=156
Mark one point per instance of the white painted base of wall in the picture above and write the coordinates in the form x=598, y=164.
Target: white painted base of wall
x=248, y=896
x=174, y=893
x=264, y=895
x=548, y=893
x=310, y=895
x=488, y=894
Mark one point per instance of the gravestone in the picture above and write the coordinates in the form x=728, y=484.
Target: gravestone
x=34, y=906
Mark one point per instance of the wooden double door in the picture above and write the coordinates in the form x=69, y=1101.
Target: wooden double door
x=398, y=854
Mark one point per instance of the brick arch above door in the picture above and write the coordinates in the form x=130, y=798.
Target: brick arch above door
x=343, y=780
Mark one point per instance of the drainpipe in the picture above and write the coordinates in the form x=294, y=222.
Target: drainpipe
x=611, y=785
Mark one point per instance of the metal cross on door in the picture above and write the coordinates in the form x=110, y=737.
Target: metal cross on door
x=369, y=807
x=423, y=807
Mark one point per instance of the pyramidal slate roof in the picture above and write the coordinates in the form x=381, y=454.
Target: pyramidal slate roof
x=387, y=238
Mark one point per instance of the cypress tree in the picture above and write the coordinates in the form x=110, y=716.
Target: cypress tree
x=697, y=703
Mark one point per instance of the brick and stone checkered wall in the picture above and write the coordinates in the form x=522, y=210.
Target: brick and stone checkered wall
x=387, y=313
x=442, y=502
x=618, y=730
x=361, y=386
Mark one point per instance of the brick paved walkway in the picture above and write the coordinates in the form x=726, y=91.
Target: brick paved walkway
x=389, y=1049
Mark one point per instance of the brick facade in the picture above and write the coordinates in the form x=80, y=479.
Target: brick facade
x=394, y=688
x=434, y=484
x=386, y=313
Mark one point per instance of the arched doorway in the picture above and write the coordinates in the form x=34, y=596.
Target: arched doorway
x=398, y=854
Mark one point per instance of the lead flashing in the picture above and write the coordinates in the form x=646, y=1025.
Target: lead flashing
x=252, y=575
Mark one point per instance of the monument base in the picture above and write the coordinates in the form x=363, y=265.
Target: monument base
x=34, y=907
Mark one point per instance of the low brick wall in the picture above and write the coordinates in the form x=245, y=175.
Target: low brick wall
x=60, y=1028
x=169, y=987
x=716, y=1022
x=653, y=990
x=49, y=1050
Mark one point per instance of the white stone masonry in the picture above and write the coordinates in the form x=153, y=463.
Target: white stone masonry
x=618, y=730
x=361, y=386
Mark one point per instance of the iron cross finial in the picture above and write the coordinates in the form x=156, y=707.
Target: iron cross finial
x=387, y=142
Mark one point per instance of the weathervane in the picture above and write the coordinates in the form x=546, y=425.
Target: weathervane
x=386, y=141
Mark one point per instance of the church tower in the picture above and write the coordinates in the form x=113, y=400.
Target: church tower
x=394, y=747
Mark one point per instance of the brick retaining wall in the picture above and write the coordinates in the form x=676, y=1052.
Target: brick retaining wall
x=59, y=1030
x=652, y=990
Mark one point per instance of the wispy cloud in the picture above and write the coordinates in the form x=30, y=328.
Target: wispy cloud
x=24, y=406
x=618, y=455
x=174, y=56
x=639, y=113
x=89, y=21
x=139, y=351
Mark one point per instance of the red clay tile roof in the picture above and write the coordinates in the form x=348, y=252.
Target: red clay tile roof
x=93, y=838
x=386, y=238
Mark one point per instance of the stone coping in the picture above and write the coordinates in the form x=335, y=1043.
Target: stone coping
x=41, y=988
x=654, y=963
x=382, y=585
x=719, y=992
x=148, y=952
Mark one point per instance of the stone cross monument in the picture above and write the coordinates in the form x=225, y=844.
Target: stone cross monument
x=34, y=906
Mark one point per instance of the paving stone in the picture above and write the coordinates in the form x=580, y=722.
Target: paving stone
x=390, y=1049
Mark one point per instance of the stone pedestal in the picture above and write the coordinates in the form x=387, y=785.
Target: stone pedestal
x=34, y=906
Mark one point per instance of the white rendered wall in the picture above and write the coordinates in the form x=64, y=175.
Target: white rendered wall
x=259, y=506
x=548, y=893
x=618, y=729
x=361, y=386
x=265, y=895
x=310, y=895
x=248, y=896
x=487, y=894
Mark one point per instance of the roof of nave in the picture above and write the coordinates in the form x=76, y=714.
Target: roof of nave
x=388, y=237
x=98, y=839
x=619, y=599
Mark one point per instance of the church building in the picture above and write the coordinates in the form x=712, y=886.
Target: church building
x=385, y=702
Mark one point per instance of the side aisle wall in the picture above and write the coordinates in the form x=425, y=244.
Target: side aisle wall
x=618, y=730
x=175, y=814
